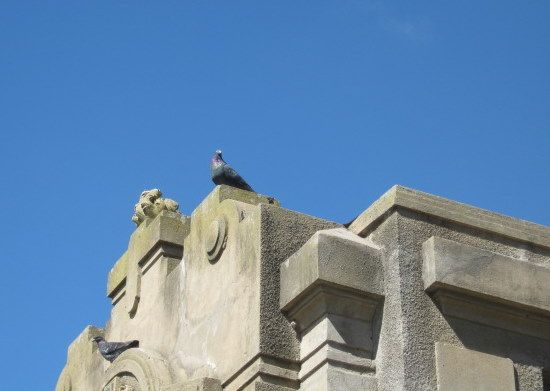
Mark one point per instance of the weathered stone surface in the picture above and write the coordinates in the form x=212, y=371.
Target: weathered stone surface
x=485, y=287
x=203, y=295
x=160, y=240
x=332, y=257
x=84, y=369
x=283, y=232
x=402, y=197
x=139, y=370
x=412, y=321
x=221, y=193
x=331, y=289
x=337, y=378
x=167, y=228
x=460, y=369
x=203, y=384
x=460, y=267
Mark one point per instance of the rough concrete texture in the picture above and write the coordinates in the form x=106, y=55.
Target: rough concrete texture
x=202, y=294
x=423, y=323
x=461, y=369
x=283, y=232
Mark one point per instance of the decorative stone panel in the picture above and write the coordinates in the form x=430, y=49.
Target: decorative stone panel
x=138, y=370
x=461, y=369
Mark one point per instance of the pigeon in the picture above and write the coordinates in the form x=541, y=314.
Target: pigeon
x=223, y=174
x=111, y=350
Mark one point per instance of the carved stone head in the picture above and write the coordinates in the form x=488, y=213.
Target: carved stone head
x=150, y=204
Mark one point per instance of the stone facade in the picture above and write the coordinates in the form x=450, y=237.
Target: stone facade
x=418, y=293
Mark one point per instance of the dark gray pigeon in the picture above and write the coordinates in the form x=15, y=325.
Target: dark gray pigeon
x=111, y=350
x=223, y=174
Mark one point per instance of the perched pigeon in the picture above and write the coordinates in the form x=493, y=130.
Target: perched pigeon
x=223, y=174
x=111, y=350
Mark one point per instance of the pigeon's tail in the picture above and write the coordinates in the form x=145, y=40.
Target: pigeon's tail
x=134, y=344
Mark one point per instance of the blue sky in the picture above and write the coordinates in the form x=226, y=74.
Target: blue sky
x=324, y=105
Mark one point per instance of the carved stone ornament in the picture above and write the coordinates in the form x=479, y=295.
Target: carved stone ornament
x=137, y=370
x=216, y=238
x=150, y=204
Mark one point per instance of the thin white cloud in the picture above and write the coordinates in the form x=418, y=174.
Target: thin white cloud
x=414, y=30
x=411, y=27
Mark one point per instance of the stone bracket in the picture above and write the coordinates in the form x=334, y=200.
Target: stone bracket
x=153, y=240
x=484, y=287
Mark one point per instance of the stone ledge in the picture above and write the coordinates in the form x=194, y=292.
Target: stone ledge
x=399, y=196
x=327, y=353
x=285, y=371
x=224, y=192
x=452, y=265
x=333, y=257
x=485, y=287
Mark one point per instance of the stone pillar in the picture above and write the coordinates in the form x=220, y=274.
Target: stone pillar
x=332, y=290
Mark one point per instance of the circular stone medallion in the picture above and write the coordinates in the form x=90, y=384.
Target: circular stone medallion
x=216, y=238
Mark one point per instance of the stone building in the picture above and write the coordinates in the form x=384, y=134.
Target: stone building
x=417, y=293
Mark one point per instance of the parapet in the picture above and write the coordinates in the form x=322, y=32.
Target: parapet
x=418, y=293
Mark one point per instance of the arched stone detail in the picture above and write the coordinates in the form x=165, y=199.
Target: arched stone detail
x=216, y=238
x=137, y=370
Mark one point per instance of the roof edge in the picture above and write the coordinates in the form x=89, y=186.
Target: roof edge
x=400, y=196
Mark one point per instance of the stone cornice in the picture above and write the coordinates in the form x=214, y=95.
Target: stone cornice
x=166, y=231
x=487, y=288
x=399, y=196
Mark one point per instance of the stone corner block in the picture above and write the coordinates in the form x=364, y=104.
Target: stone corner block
x=332, y=263
x=461, y=369
x=333, y=257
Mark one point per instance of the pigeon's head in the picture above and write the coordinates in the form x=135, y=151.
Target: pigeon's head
x=217, y=158
x=97, y=338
